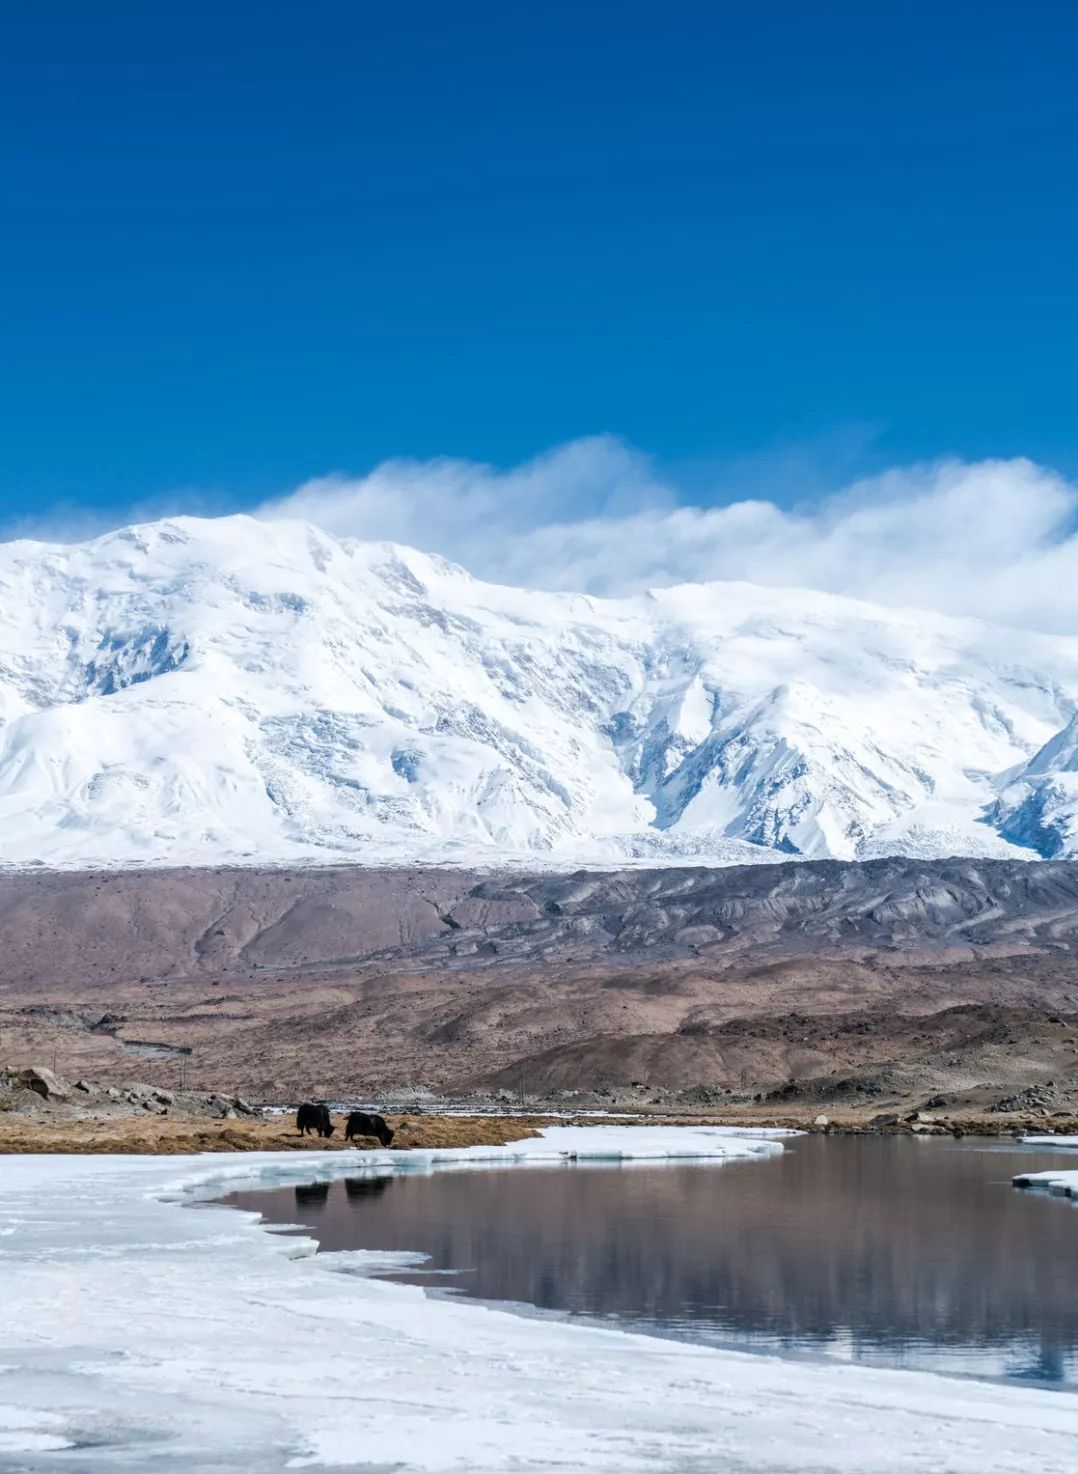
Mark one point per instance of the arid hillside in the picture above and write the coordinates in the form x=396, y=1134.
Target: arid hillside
x=820, y=980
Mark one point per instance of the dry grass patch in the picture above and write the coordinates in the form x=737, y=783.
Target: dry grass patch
x=161, y=1135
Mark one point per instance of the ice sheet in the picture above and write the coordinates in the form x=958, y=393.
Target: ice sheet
x=141, y=1335
x=1061, y=1182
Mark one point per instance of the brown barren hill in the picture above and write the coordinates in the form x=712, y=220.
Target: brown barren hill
x=845, y=981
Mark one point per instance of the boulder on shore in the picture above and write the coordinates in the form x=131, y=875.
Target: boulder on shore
x=44, y=1083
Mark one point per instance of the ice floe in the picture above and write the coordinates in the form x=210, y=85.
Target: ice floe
x=144, y=1334
x=1063, y=1183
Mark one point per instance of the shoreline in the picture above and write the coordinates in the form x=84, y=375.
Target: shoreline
x=55, y=1130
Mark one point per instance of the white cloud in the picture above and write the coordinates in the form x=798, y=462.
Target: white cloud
x=995, y=539
x=461, y=508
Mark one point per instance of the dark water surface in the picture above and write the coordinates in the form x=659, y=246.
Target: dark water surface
x=892, y=1251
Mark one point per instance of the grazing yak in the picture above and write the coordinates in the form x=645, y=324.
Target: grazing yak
x=360, y=1124
x=314, y=1117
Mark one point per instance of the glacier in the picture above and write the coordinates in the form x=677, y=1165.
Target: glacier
x=235, y=690
x=140, y=1334
x=1039, y=808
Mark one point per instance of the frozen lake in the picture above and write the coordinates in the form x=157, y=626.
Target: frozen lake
x=889, y=1251
x=147, y=1329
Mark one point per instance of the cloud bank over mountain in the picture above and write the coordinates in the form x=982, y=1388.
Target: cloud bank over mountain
x=991, y=539
x=996, y=539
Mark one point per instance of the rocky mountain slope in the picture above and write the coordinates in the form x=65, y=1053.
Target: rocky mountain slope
x=192, y=692
x=863, y=981
x=156, y=928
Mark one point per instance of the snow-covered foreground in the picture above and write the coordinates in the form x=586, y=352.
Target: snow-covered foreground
x=142, y=1335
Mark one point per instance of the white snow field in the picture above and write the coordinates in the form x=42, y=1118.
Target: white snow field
x=143, y=1335
x=200, y=691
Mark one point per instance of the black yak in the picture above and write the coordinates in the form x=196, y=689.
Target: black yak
x=360, y=1124
x=314, y=1117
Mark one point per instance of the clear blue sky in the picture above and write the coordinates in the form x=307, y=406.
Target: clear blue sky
x=246, y=243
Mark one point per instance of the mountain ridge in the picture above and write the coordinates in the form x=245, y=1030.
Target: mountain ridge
x=207, y=691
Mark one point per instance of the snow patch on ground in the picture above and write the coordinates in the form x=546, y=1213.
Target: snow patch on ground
x=143, y=1334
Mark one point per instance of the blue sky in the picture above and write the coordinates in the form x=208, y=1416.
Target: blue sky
x=774, y=246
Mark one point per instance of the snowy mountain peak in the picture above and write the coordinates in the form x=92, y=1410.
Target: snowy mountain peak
x=198, y=691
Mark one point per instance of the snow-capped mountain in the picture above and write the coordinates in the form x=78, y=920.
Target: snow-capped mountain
x=1039, y=809
x=233, y=690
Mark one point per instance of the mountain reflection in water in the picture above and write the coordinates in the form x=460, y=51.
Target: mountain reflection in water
x=894, y=1251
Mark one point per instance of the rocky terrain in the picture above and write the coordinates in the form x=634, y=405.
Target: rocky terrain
x=795, y=986
x=42, y=1112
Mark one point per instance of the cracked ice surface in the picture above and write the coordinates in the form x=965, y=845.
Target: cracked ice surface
x=140, y=1335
